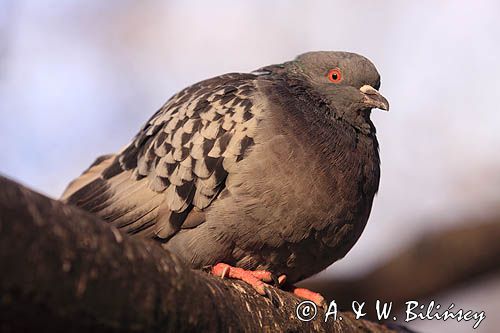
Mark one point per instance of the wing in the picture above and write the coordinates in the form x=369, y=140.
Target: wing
x=178, y=163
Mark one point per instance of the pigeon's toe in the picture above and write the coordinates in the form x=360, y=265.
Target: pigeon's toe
x=307, y=294
x=253, y=278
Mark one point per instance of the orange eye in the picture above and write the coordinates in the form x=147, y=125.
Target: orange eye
x=334, y=75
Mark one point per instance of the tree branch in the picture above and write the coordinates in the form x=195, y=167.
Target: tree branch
x=65, y=270
x=436, y=263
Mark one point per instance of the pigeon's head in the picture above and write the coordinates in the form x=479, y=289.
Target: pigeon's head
x=347, y=80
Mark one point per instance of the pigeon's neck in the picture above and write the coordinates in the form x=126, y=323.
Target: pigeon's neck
x=359, y=120
x=321, y=109
x=311, y=117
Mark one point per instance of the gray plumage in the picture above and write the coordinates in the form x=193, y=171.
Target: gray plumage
x=276, y=169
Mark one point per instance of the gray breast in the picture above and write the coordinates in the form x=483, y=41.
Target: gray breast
x=296, y=203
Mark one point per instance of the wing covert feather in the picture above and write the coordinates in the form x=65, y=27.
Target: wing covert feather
x=179, y=160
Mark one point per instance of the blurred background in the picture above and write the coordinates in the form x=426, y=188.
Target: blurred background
x=78, y=79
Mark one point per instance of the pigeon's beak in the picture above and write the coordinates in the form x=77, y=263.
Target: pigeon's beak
x=373, y=98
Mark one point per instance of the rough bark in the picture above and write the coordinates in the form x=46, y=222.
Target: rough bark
x=63, y=269
x=435, y=264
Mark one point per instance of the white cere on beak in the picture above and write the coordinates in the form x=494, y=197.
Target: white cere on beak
x=366, y=89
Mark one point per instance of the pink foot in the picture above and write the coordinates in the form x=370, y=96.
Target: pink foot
x=308, y=295
x=254, y=278
x=259, y=279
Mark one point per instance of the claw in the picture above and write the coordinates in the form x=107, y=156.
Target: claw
x=224, y=272
x=269, y=295
x=273, y=299
x=278, y=281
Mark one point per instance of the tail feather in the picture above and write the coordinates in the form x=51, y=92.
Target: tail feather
x=120, y=200
x=87, y=177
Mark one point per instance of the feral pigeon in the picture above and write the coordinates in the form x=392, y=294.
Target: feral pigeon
x=273, y=170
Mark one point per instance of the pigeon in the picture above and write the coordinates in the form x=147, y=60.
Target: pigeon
x=258, y=175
